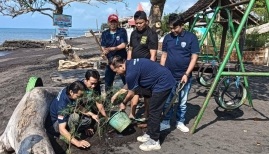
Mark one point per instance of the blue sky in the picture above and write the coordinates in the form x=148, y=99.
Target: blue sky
x=84, y=15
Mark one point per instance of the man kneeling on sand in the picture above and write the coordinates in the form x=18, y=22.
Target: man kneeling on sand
x=61, y=123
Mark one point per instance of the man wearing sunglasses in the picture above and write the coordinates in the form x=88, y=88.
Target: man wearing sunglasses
x=180, y=53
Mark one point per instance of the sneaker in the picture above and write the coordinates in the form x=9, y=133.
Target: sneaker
x=165, y=124
x=143, y=138
x=182, y=127
x=150, y=145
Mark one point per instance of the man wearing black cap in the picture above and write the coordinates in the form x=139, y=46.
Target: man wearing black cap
x=113, y=43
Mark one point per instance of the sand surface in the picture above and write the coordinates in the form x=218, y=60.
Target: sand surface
x=219, y=131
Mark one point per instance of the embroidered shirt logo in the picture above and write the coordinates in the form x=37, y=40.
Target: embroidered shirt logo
x=60, y=117
x=135, y=60
x=183, y=44
x=143, y=40
x=118, y=38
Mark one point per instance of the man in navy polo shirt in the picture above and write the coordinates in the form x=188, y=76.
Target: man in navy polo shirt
x=180, y=53
x=60, y=121
x=154, y=77
x=92, y=84
x=113, y=42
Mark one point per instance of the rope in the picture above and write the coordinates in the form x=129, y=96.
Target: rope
x=237, y=81
x=229, y=33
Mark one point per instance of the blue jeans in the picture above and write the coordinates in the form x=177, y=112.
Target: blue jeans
x=182, y=102
x=109, y=78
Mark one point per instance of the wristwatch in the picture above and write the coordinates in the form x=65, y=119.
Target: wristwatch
x=188, y=75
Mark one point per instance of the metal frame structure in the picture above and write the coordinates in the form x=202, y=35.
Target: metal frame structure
x=208, y=30
x=221, y=68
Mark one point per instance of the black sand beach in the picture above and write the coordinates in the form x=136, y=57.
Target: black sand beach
x=244, y=130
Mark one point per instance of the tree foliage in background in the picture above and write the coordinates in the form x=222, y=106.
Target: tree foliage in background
x=14, y=8
x=255, y=40
x=261, y=10
x=104, y=26
x=165, y=27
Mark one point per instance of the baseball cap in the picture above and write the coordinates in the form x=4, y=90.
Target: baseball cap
x=113, y=17
x=140, y=15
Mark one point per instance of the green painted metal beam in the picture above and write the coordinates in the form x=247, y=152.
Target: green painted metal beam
x=209, y=26
x=202, y=56
x=214, y=84
x=213, y=41
x=267, y=4
x=194, y=22
x=261, y=74
x=240, y=59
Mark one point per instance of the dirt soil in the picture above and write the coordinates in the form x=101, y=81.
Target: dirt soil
x=244, y=130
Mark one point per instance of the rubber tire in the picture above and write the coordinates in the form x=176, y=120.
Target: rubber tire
x=201, y=80
x=34, y=82
x=242, y=92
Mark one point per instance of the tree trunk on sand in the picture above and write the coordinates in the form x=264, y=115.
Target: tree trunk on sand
x=25, y=132
x=67, y=50
x=155, y=15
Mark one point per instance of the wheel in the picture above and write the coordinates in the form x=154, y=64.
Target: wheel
x=206, y=79
x=230, y=94
x=34, y=82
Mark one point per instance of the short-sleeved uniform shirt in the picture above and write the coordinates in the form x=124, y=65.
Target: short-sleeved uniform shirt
x=59, y=104
x=97, y=88
x=114, y=39
x=142, y=42
x=149, y=75
x=96, y=91
x=179, y=50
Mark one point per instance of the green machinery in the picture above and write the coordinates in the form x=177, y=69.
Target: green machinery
x=221, y=71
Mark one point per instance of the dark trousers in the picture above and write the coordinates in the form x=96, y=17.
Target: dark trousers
x=156, y=105
x=109, y=78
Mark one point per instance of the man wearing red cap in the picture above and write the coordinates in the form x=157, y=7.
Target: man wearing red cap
x=113, y=43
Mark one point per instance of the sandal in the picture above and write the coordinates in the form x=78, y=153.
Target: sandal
x=141, y=119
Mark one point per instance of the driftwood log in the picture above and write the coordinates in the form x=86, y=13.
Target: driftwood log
x=25, y=132
x=95, y=62
x=67, y=50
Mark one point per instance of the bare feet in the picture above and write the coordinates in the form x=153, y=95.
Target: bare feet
x=131, y=116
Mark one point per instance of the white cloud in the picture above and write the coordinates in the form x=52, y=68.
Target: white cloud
x=87, y=17
x=173, y=5
x=110, y=10
x=79, y=11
